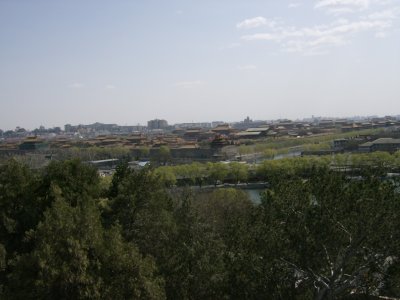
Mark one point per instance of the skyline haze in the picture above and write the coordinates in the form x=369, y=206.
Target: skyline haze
x=129, y=62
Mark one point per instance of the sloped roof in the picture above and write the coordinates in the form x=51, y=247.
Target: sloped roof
x=386, y=141
x=257, y=129
x=246, y=133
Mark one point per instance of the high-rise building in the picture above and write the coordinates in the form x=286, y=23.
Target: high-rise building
x=157, y=124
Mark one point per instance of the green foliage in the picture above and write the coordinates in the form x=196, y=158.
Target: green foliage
x=75, y=258
x=194, y=267
x=217, y=172
x=163, y=155
x=189, y=174
x=320, y=232
x=270, y=153
x=222, y=205
x=93, y=153
x=144, y=152
x=166, y=175
x=71, y=179
x=121, y=172
x=143, y=209
x=20, y=210
x=59, y=265
x=238, y=171
x=104, y=185
x=314, y=143
x=3, y=254
x=127, y=274
x=232, y=218
x=243, y=149
x=316, y=146
x=198, y=173
x=65, y=253
x=328, y=227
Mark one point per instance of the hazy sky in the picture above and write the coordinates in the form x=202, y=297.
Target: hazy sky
x=127, y=62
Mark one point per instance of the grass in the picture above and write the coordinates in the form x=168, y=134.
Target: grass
x=284, y=145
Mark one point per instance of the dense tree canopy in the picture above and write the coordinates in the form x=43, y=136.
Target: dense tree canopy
x=319, y=232
x=335, y=235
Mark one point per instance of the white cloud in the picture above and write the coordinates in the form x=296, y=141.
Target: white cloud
x=247, y=67
x=189, y=84
x=179, y=12
x=327, y=40
x=343, y=28
x=255, y=22
x=264, y=37
x=110, y=87
x=321, y=37
x=387, y=14
x=378, y=18
x=76, y=85
x=356, y=4
x=337, y=7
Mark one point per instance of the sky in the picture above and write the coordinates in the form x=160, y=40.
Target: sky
x=127, y=62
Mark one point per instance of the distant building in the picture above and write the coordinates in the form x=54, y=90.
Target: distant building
x=252, y=133
x=326, y=123
x=69, y=128
x=157, y=124
x=216, y=123
x=192, y=134
x=193, y=125
x=339, y=144
x=105, y=164
x=382, y=144
x=32, y=144
x=249, y=135
x=224, y=129
x=219, y=141
x=248, y=120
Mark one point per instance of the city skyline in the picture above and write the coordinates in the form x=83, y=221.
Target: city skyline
x=247, y=120
x=126, y=63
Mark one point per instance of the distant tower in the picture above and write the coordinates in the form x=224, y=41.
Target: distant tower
x=247, y=120
x=157, y=124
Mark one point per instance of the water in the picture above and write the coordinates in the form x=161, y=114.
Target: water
x=288, y=155
x=254, y=195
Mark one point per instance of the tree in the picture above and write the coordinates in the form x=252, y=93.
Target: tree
x=194, y=267
x=122, y=171
x=270, y=153
x=197, y=173
x=217, y=172
x=20, y=211
x=183, y=173
x=144, y=210
x=238, y=171
x=244, y=149
x=73, y=178
x=75, y=258
x=163, y=155
x=144, y=152
x=333, y=236
x=166, y=175
x=230, y=215
x=3, y=264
